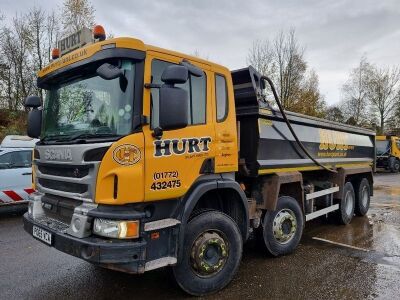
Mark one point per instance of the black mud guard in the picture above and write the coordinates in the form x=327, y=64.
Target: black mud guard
x=208, y=183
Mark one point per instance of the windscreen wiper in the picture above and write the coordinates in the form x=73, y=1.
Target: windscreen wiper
x=86, y=135
x=78, y=137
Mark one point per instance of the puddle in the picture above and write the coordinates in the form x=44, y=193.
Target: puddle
x=374, y=238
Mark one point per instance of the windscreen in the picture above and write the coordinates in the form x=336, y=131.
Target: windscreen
x=90, y=105
x=382, y=147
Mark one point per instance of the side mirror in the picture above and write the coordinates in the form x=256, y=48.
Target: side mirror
x=174, y=103
x=34, y=123
x=175, y=74
x=108, y=71
x=33, y=102
x=195, y=71
x=34, y=116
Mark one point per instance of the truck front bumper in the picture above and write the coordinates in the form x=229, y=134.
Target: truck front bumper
x=122, y=255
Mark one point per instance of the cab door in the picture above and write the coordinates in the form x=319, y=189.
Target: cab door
x=174, y=161
x=226, y=157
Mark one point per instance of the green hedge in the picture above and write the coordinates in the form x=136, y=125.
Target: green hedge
x=12, y=122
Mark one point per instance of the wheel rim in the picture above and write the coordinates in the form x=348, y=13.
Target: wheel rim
x=284, y=226
x=364, y=196
x=209, y=253
x=349, y=202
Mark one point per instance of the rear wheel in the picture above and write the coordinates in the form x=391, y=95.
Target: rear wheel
x=211, y=254
x=346, y=205
x=395, y=166
x=363, y=197
x=283, y=227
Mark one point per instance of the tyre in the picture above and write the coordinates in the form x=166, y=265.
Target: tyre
x=363, y=197
x=283, y=227
x=211, y=254
x=346, y=205
x=395, y=166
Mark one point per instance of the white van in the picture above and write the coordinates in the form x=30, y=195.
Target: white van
x=18, y=141
x=16, y=169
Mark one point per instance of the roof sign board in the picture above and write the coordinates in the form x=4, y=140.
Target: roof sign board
x=74, y=41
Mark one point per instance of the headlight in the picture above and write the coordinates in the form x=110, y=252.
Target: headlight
x=116, y=229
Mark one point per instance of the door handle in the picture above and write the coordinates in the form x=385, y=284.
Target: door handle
x=27, y=173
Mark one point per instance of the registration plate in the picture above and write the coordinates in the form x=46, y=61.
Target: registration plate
x=41, y=234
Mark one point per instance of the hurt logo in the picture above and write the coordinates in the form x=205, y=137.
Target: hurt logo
x=126, y=154
x=181, y=146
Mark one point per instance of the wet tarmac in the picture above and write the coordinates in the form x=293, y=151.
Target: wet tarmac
x=357, y=261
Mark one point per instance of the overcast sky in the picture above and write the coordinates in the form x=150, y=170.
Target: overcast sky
x=335, y=35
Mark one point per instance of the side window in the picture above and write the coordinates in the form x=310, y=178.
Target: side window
x=196, y=87
x=21, y=159
x=5, y=161
x=221, y=96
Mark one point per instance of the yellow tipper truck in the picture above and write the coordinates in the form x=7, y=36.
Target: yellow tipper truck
x=388, y=152
x=150, y=158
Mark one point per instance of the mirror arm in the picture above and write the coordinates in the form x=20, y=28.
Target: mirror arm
x=157, y=133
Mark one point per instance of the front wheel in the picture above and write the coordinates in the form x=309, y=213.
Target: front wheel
x=211, y=254
x=283, y=227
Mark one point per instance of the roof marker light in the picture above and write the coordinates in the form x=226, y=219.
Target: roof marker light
x=55, y=53
x=99, y=33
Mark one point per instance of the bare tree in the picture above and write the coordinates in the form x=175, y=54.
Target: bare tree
x=198, y=54
x=15, y=47
x=355, y=93
x=77, y=14
x=282, y=59
x=53, y=32
x=334, y=113
x=262, y=57
x=291, y=67
x=37, y=19
x=384, y=93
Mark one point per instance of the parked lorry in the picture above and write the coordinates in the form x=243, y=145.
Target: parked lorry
x=388, y=152
x=151, y=158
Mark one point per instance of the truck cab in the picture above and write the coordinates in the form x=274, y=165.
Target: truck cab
x=388, y=153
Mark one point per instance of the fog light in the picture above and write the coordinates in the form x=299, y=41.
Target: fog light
x=116, y=229
x=76, y=224
x=30, y=208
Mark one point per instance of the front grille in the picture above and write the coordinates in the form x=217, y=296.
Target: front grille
x=70, y=187
x=59, y=208
x=64, y=170
x=72, y=178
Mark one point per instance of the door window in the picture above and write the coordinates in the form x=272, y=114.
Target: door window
x=196, y=87
x=5, y=161
x=21, y=159
x=221, y=97
x=16, y=159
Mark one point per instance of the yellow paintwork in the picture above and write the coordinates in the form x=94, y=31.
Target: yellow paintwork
x=395, y=144
x=89, y=51
x=187, y=166
x=135, y=181
x=130, y=178
x=312, y=168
